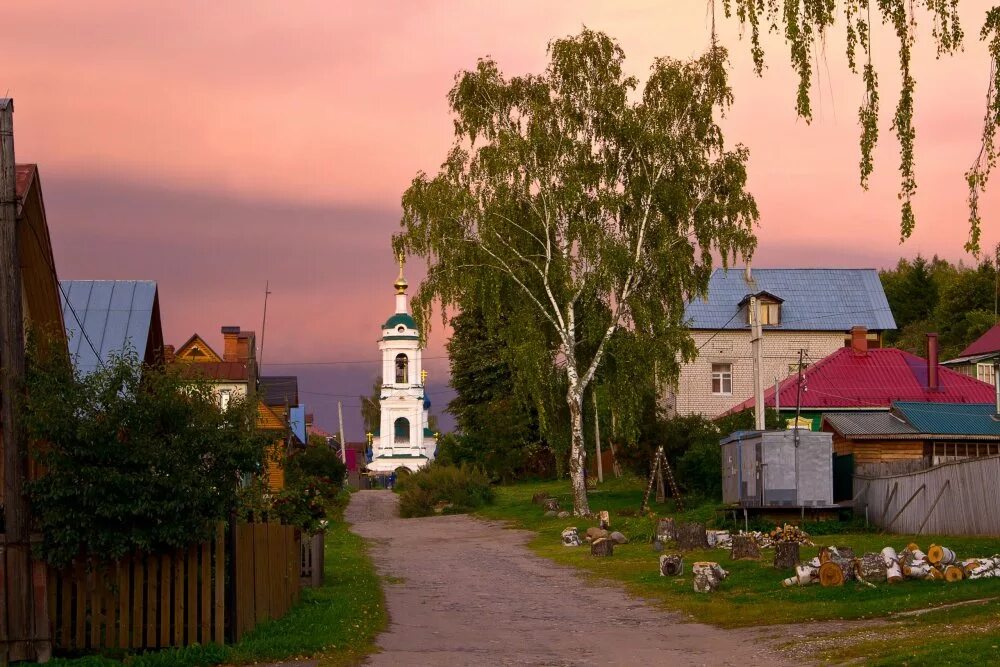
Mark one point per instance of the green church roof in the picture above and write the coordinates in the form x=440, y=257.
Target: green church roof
x=400, y=318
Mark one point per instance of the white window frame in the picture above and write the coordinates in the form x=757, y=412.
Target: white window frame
x=985, y=373
x=225, y=396
x=722, y=376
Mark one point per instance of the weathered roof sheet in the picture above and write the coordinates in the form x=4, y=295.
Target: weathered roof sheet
x=814, y=299
x=950, y=418
x=844, y=380
x=280, y=390
x=115, y=314
x=867, y=422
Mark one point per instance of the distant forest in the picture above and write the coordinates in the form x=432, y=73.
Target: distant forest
x=958, y=302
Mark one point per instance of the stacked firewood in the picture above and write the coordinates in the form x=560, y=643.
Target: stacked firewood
x=787, y=533
x=790, y=533
x=836, y=565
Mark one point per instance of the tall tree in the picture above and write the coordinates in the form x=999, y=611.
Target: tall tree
x=805, y=25
x=580, y=209
x=371, y=407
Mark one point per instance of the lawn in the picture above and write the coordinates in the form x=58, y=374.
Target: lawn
x=752, y=595
x=336, y=623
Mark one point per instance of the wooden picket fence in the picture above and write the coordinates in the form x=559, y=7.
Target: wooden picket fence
x=312, y=560
x=267, y=570
x=207, y=593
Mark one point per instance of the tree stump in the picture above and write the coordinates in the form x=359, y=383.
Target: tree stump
x=836, y=571
x=666, y=530
x=602, y=547
x=551, y=505
x=539, y=498
x=707, y=576
x=871, y=568
x=691, y=536
x=671, y=565
x=604, y=519
x=744, y=548
x=786, y=555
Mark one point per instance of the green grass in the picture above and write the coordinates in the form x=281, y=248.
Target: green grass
x=336, y=623
x=752, y=595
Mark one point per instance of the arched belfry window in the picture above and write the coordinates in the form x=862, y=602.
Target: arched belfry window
x=402, y=369
x=401, y=431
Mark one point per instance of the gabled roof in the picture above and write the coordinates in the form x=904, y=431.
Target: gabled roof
x=951, y=418
x=195, y=349
x=234, y=371
x=106, y=317
x=812, y=300
x=985, y=344
x=845, y=380
x=280, y=390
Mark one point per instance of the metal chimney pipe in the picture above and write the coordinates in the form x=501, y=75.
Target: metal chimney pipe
x=932, y=361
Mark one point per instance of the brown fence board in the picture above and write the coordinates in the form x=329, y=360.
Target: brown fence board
x=191, y=569
x=220, y=581
x=124, y=603
x=260, y=571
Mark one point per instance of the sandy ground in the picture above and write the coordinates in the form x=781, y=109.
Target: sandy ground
x=461, y=591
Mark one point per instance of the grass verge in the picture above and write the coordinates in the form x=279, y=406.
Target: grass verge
x=752, y=595
x=336, y=623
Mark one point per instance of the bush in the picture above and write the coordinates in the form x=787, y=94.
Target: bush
x=135, y=458
x=317, y=465
x=455, y=489
x=303, y=504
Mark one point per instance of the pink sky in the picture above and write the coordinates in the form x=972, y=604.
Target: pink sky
x=213, y=146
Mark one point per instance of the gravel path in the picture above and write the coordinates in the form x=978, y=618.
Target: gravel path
x=462, y=591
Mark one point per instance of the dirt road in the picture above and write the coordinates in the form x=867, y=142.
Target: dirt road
x=461, y=591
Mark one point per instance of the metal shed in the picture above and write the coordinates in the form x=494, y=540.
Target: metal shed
x=768, y=469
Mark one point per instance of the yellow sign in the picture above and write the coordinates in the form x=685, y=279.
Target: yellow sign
x=803, y=423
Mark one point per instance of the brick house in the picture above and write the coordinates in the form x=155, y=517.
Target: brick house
x=812, y=310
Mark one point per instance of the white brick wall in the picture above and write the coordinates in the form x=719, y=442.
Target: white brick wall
x=780, y=350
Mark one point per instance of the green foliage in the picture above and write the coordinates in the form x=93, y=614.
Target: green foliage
x=576, y=206
x=953, y=300
x=371, y=407
x=136, y=459
x=319, y=464
x=303, y=504
x=454, y=489
x=806, y=24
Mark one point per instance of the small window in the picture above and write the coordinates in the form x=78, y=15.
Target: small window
x=722, y=379
x=770, y=313
x=985, y=373
x=400, y=328
x=402, y=369
x=224, y=397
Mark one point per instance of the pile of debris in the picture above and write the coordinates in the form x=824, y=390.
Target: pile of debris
x=787, y=534
x=836, y=565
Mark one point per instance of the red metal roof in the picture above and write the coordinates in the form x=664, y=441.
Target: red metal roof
x=985, y=344
x=844, y=380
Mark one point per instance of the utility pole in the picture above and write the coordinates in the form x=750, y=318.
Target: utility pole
x=597, y=437
x=758, y=376
x=343, y=445
x=263, y=325
x=17, y=573
x=798, y=401
x=777, y=398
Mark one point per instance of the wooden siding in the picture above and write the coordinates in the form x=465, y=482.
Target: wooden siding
x=276, y=466
x=875, y=451
x=958, y=498
x=267, y=571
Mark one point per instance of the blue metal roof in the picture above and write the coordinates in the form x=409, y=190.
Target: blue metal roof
x=950, y=418
x=813, y=300
x=115, y=314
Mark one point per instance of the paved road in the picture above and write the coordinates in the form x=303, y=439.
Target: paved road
x=462, y=591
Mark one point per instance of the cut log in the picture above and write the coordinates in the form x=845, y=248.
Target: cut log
x=894, y=574
x=836, y=571
x=934, y=574
x=666, y=530
x=707, y=576
x=912, y=546
x=825, y=553
x=718, y=538
x=605, y=519
x=804, y=575
x=570, y=537
x=918, y=570
x=871, y=568
x=953, y=573
x=602, y=547
x=846, y=552
x=744, y=548
x=671, y=565
x=691, y=536
x=551, y=504
x=986, y=567
x=938, y=555
x=786, y=555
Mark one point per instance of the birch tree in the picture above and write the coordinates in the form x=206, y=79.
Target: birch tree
x=583, y=206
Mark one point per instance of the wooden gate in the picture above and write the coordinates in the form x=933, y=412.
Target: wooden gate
x=265, y=568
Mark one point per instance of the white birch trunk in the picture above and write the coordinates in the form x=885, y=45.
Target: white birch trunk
x=578, y=452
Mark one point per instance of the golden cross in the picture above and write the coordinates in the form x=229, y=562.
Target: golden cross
x=423, y=376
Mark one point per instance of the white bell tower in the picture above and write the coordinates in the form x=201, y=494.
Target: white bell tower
x=404, y=439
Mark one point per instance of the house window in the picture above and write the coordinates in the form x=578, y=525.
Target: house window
x=770, y=313
x=722, y=379
x=402, y=369
x=985, y=373
x=224, y=397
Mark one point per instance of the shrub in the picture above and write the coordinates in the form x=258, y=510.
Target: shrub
x=457, y=489
x=318, y=465
x=303, y=504
x=135, y=458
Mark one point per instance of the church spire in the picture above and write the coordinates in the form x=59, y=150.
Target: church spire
x=400, y=283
